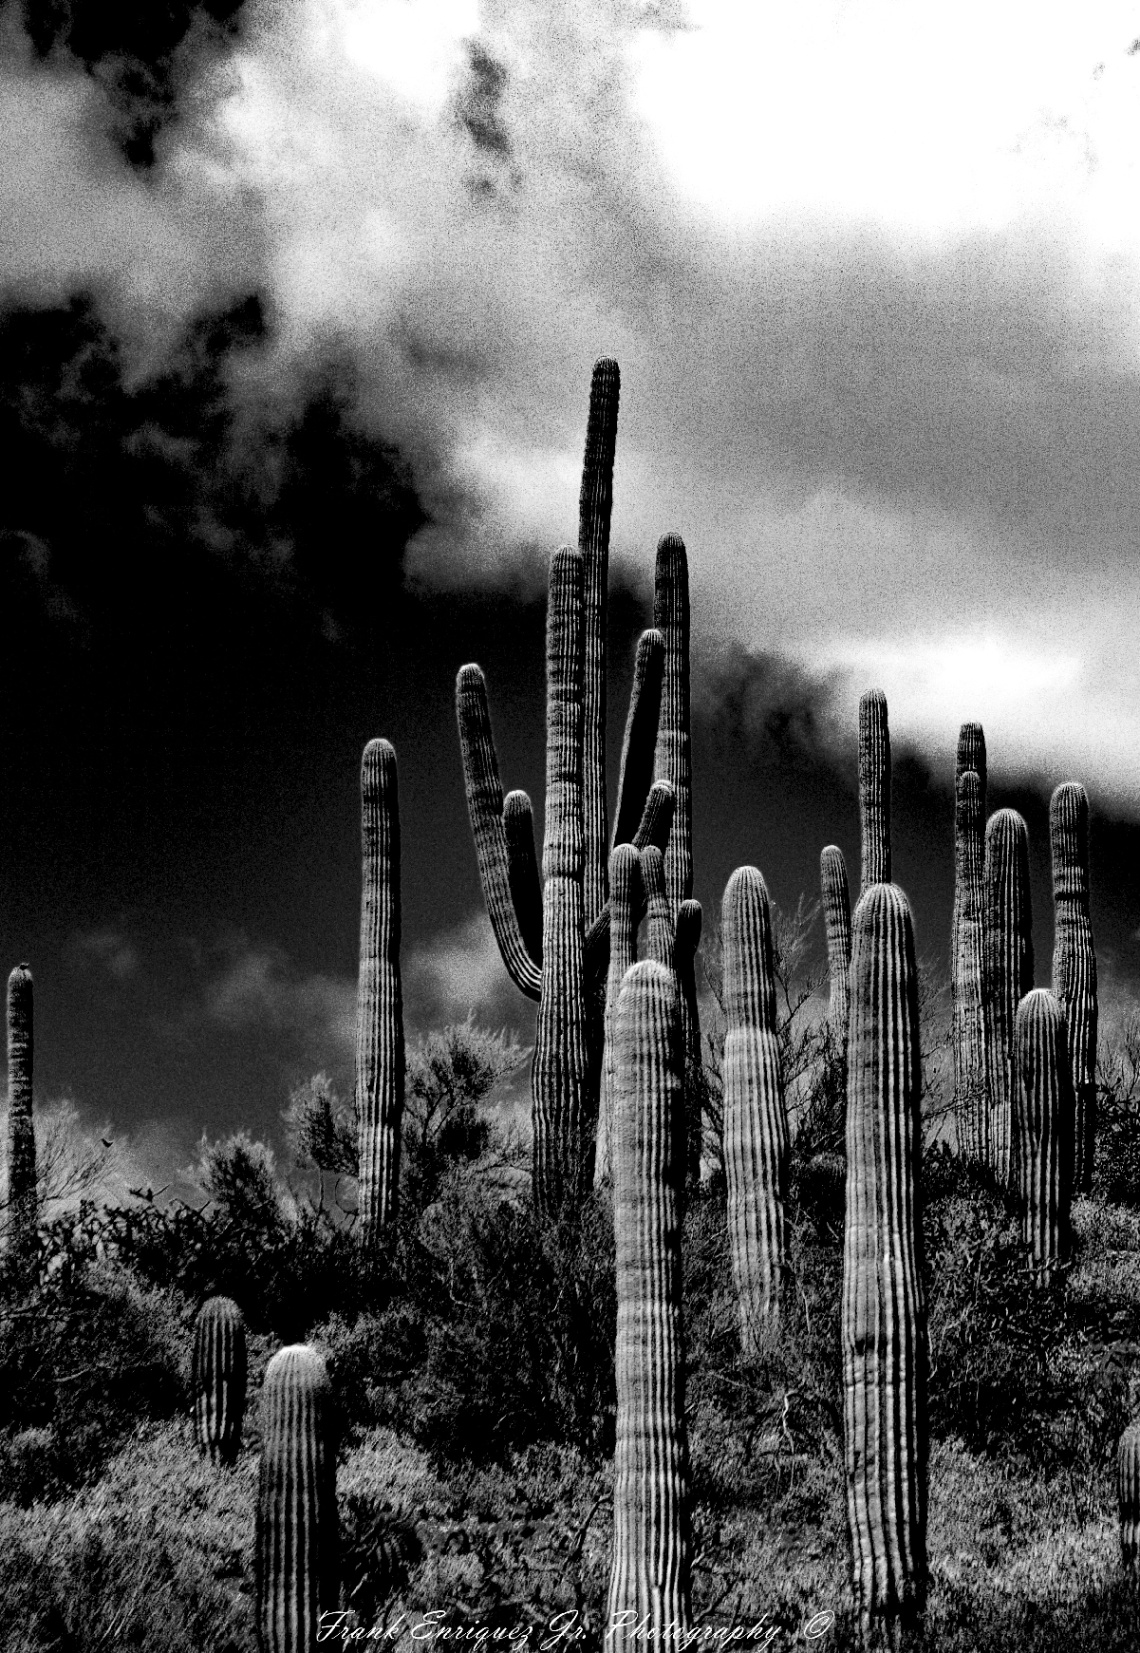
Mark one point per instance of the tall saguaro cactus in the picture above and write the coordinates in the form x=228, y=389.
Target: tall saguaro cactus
x=837, y=922
x=1043, y=1100
x=23, y=1199
x=755, y=1122
x=674, y=740
x=380, y=1007
x=1074, y=964
x=884, y=1304
x=649, y=1582
x=1007, y=974
x=874, y=790
x=297, y=1538
x=967, y=953
x=563, y=973
x=218, y=1378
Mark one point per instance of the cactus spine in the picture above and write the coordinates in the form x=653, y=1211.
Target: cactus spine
x=1007, y=975
x=874, y=790
x=649, y=1583
x=217, y=1379
x=837, y=922
x=967, y=947
x=1043, y=1096
x=297, y=1561
x=755, y=1123
x=1128, y=1497
x=1074, y=964
x=884, y=1307
x=23, y=1199
x=380, y=1009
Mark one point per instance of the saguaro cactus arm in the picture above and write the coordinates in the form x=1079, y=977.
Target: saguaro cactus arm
x=639, y=742
x=595, y=506
x=656, y=821
x=23, y=1196
x=297, y=1540
x=874, y=790
x=837, y=923
x=884, y=1305
x=522, y=871
x=485, y=807
x=755, y=1121
x=626, y=898
x=674, y=761
x=967, y=958
x=1074, y=963
x=649, y=1582
x=380, y=1006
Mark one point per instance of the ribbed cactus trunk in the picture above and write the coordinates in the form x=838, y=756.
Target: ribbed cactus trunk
x=297, y=1538
x=755, y=1121
x=687, y=941
x=883, y=1328
x=1074, y=964
x=594, y=510
x=1007, y=976
x=23, y=1196
x=380, y=1006
x=837, y=924
x=967, y=953
x=625, y=889
x=218, y=1379
x=874, y=790
x=1128, y=1497
x=1043, y=1097
x=562, y=1167
x=649, y=1583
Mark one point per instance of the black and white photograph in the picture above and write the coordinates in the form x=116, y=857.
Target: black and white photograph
x=569, y=826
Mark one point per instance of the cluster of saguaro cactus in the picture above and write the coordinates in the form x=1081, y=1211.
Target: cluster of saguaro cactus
x=380, y=1008
x=649, y=1584
x=883, y=1306
x=1043, y=1119
x=297, y=1535
x=23, y=1196
x=570, y=906
x=755, y=1122
x=1128, y=1497
x=967, y=945
x=1074, y=964
x=218, y=1378
x=1007, y=975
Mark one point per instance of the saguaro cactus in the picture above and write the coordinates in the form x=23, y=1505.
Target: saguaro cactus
x=625, y=889
x=297, y=1540
x=1074, y=964
x=967, y=952
x=649, y=1583
x=874, y=790
x=1043, y=1101
x=568, y=1054
x=837, y=922
x=1007, y=974
x=380, y=1007
x=884, y=1304
x=674, y=742
x=217, y=1379
x=23, y=1199
x=755, y=1122
x=1128, y=1496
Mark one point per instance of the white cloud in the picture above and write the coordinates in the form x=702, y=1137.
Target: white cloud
x=458, y=972
x=257, y=986
x=111, y=949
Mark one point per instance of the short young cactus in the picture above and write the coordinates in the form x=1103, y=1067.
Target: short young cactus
x=883, y=1324
x=874, y=790
x=837, y=921
x=967, y=952
x=649, y=1583
x=297, y=1537
x=217, y=1379
x=380, y=1005
x=23, y=1198
x=1074, y=964
x=1128, y=1497
x=1043, y=1108
x=755, y=1123
x=1007, y=975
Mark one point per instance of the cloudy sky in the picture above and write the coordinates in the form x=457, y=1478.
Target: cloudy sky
x=299, y=305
